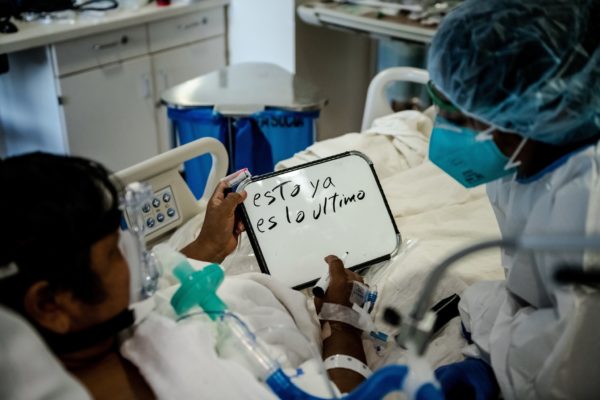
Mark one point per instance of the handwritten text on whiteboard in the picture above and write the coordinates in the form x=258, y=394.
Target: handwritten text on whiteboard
x=321, y=191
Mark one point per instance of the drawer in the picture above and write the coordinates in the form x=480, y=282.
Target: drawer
x=92, y=51
x=186, y=29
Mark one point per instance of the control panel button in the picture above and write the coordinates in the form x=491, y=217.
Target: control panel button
x=171, y=212
x=146, y=208
x=160, y=217
x=166, y=197
x=156, y=203
x=150, y=222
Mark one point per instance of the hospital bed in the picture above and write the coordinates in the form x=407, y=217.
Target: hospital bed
x=434, y=214
x=163, y=174
x=163, y=171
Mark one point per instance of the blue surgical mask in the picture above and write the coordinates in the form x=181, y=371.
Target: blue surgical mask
x=469, y=156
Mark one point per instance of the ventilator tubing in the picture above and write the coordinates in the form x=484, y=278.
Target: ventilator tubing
x=198, y=288
x=392, y=378
x=383, y=382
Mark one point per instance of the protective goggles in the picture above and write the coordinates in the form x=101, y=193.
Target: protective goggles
x=438, y=101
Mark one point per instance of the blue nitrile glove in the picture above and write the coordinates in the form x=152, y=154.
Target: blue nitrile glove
x=471, y=379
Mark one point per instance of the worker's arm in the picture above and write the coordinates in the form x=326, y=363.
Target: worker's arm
x=339, y=337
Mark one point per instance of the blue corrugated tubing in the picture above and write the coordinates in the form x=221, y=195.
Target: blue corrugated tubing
x=380, y=384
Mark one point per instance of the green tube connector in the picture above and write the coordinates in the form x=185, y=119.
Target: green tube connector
x=198, y=288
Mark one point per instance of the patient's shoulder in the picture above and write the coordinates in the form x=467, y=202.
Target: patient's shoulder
x=113, y=377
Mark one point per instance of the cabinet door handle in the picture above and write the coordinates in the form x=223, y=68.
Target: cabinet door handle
x=165, y=79
x=184, y=27
x=103, y=46
x=146, y=86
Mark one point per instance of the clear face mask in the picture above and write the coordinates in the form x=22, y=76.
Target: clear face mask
x=129, y=249
x=144, y=268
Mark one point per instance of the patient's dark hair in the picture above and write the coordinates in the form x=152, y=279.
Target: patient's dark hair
x=54, y=208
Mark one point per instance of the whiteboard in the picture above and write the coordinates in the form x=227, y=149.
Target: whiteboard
x=298, y=216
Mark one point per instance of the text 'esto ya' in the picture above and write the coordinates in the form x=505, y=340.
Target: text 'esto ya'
x=322, y=195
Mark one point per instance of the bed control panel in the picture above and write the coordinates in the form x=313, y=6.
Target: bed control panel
x=161, y=211
x=168, y=201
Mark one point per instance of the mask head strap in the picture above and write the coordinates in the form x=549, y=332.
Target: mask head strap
x=485, y=135
x=512, y=161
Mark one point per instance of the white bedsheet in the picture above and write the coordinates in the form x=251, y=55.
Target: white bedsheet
x=180, y=360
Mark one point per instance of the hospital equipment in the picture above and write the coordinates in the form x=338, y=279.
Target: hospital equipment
x=392, y=378
x=199, y=288
x=377, y=104
x=416, y=328
x=170, y=190
x=136, y=201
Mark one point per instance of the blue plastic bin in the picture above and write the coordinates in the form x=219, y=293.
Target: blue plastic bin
x=192, y=124
x=258, y=142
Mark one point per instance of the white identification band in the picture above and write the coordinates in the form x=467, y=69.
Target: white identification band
x=347, y=362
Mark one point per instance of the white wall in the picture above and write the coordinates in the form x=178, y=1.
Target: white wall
x=340, y=64
x=262, y=31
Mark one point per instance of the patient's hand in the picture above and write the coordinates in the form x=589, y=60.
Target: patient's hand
x=221, y=229
x=340, y=284
x=340, y=338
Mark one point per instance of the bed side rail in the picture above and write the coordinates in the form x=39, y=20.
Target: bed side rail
x=173, y=199
x=377, y=104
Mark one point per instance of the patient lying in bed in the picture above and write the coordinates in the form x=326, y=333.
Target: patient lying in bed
x=63, y=270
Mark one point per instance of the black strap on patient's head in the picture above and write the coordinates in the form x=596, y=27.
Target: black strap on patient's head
x=76, y=341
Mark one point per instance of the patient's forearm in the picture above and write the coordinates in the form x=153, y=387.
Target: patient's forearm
x=204, y=250
x=344, y=339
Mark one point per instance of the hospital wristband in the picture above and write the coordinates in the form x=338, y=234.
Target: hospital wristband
x=347, y=362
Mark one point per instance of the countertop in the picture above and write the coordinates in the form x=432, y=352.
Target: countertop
x=365, y=19
x=35, y=34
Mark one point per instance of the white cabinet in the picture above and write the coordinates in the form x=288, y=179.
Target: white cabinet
x=172, y=67
x=101, y=92
x=109, y=113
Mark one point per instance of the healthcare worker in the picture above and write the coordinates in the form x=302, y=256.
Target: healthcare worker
x=517, y=87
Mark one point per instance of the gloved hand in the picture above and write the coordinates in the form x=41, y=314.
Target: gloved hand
x=471, y=379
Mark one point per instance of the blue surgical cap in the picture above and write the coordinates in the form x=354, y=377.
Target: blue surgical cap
x=529, y=67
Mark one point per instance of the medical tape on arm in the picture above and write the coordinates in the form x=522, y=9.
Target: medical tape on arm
x=357, y=317
x=347, y=315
